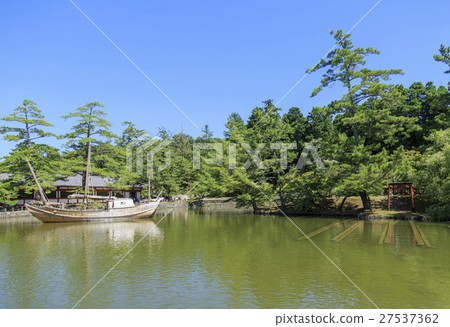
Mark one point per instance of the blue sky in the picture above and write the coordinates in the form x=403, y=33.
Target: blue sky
x=211, y=58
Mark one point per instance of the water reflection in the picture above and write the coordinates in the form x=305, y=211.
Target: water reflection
x=203, y=259
x=112, y=232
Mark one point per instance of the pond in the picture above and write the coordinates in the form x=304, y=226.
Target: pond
x=224, y=259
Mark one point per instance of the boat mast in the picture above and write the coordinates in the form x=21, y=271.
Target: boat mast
x=149, y=190
x=86, y=182
x=41, y=192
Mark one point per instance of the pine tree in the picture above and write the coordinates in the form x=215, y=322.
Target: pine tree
x=357, y=162
x=254, y=181
x=92, y=129
x=444, y=56
x=26, y=125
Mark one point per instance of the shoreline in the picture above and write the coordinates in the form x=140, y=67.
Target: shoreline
x=357, y=215
x=226, y=203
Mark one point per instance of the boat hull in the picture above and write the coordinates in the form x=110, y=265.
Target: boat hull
x=49, y=214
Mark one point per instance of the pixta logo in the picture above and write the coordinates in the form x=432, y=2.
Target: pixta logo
x=139, y=150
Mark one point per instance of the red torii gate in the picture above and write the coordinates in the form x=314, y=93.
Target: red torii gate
x=401, y=186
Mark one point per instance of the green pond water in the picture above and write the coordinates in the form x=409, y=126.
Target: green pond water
x=206, y=259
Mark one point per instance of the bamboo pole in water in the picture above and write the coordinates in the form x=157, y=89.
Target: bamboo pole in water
x=383, y=235
x=388, y=238
x=416, y=233
x=419, y=235
x=320, y=230
x=348, y=231
x=424, y=238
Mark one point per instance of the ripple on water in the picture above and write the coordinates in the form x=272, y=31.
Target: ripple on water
x=219, y=261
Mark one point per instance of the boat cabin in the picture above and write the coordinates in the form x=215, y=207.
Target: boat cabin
x=64, y=188
x=119, y=203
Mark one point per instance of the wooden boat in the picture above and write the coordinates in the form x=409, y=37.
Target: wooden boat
x=51, y=214
x=111, y=209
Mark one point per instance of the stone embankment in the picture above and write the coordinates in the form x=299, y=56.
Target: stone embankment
x=15, y=213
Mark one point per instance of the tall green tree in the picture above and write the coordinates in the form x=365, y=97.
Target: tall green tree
x=299, y=125
x=258, y=161
x=131, y=134
x=358, y=170
x=306, y=188
x=29, y=123
x=207, y=134
x=123, y=167
x=211, y=170
x=171, y=167
x=91, y=128
x=26, y=125
x=234, y=123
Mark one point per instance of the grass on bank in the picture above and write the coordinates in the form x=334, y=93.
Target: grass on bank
x=401, y=206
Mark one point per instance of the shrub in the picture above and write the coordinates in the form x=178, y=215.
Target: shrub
x=438, y=212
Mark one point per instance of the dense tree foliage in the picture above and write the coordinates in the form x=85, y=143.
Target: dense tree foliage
x=374, y=133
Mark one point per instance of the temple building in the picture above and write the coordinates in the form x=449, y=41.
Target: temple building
x=63, y=188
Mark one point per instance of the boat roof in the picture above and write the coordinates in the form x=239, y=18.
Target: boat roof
x=93, y=197
x=77, y=180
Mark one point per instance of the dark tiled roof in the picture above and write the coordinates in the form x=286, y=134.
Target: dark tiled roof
x=94, y=181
